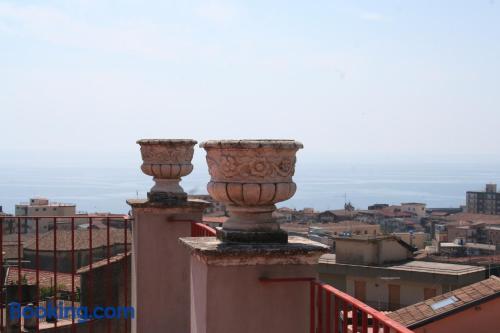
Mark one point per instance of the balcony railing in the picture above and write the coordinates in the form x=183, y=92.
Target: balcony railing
x=333, y=311
x=77, y=260
x=201, y=230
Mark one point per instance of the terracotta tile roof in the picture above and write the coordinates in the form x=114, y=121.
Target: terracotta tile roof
x=45, y=278
x=81, y=241
x=102, y=263
x=474, y=218
x=25, y=238
x=418, y=314
x=9, y=250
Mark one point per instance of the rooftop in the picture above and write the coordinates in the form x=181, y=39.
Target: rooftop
x=333, y=226
x=103, y=263
x=415, y=266
x=413, y=203
x=51, y=204
x=81, y=239
x=421, y=313
x=436, y=268
x=46, y=278
x=474, y=218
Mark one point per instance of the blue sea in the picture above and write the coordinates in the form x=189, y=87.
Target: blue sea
x=322, y=185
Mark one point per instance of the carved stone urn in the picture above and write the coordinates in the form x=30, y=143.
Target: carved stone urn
x=167, y=160
x=250, y=177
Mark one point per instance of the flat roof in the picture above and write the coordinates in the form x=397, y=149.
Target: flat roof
x=414, y=266
x=436, y=267
x=50, y=204
x=449, y=244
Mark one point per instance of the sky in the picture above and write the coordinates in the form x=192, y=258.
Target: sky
x=82, y=80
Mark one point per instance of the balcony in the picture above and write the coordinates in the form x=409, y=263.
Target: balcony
x=80, y=261
x=333, y=311
x=78, y=266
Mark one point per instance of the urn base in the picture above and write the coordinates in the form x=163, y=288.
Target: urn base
x=232, y=236
x=167, y=197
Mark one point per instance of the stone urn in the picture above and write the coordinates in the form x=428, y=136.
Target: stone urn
x=167, y=160
x=250, y=177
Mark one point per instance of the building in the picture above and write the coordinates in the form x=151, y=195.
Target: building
x=493, y=235
x=327, y=217
x=377, y=206
x=474, y=228
x=460, y=248
x=45, y=280
x=215, y=208
x=491, y=263
x=414, y=208
x=441, y=212
x=106, y=283
x=378, y=271
x=351, y=228
x=487, y=202
x=7, y=222
x=326, y=233
x=81, y=248
x=284, y=214
x=341, y=214
x=42, y=207
x=473, y=308
x=416, y=239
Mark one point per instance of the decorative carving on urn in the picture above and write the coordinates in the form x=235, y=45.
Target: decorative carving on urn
x=250, y=177
x=167, y=160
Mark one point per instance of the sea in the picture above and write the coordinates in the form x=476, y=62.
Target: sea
x=320, y=185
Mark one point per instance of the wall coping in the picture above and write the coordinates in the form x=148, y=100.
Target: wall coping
x=298, y=251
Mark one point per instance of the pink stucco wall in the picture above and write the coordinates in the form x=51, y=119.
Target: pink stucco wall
x=228, y=299
x=160, y=268
x=477, y=319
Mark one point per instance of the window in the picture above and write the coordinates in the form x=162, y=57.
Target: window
x=443, y=303
x=360, y=290
x=394, y=297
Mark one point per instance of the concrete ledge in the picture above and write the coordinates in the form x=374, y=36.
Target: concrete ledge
x=212, y=251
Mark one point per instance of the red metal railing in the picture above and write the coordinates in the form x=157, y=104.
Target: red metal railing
x=333, y=311
x=201, y=230
x=51, y=257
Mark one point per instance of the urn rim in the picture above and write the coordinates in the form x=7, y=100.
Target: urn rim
x=166, y=142
x=253, y=143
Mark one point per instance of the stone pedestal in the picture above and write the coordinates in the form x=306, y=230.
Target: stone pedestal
x=227, y=294
x=160, y=265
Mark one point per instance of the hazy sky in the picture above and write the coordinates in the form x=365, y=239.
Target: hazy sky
x=385, y=77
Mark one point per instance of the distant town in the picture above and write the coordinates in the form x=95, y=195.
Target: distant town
x=386, y=256
x=451, y=234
